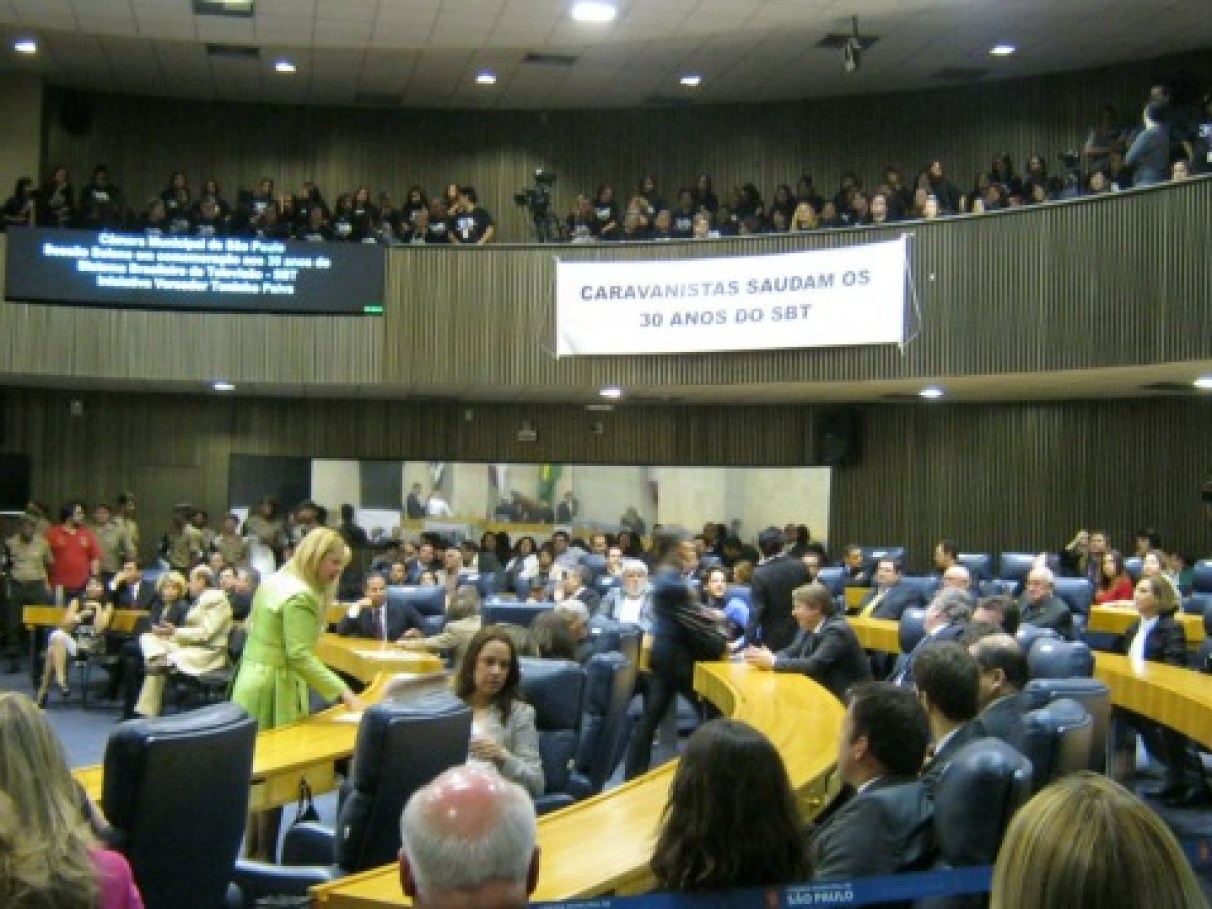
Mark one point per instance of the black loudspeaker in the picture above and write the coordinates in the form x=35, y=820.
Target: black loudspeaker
x=76, y=114
x=837, y=437
x=14, y=482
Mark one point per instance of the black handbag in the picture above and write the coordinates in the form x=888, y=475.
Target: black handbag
x=305, y=808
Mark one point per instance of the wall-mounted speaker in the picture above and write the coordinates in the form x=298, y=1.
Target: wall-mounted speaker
x=837, y=436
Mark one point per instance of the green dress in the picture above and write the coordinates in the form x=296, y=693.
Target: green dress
x=279, y=661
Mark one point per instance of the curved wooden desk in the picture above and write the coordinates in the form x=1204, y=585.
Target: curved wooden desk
x=1179, y=698
x=603, y=845
x=312, y=748
x=1117, y=620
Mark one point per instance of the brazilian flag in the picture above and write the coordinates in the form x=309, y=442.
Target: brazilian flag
x=549, y=475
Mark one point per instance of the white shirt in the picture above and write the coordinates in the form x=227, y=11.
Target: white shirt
x=1136, y=651
x=629, y=609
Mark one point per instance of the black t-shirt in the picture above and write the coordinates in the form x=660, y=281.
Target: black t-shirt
x=683, y=222
x=470, y=226
x=438, y=232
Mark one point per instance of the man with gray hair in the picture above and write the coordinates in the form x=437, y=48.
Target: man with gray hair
x=946, y=617
x=1042, y=607
x=468, y=840
x=957, y=576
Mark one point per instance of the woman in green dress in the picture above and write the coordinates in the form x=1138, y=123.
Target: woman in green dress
x=279, y=660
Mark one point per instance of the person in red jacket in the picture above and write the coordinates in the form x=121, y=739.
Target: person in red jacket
x=75, y=551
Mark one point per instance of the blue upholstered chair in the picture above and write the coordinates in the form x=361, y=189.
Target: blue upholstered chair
x=1027, y=635
x=979, y=565
x=401, y=746
x=912, y=628
x=927, y=585
x=1132, y=565
x=873, y=554
x=508, y=612
x=1057, y=738
x=1013, y=566
x=1078, y=594
x=1093, y=695
x=430, y=602
x=974, y=799
x=1051, y=659
x=176, y=791
x=554, y=688
x=833, y=577
x=1201, y=577
x=609, y=682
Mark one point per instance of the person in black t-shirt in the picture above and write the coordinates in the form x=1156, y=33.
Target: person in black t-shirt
x=582, y=222
x=101, y=201
x=154, y=221
x=414, y=203
x=606, y=213
x=363, y=215
x=57, y=200
x=210, y=223
x=682, y=227
x=438, y=229
x=471, y=224
x=316, y=230
x=19, y=209
x=343, y=224
x=176, y=195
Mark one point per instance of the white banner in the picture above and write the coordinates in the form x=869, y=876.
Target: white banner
x=822, y=298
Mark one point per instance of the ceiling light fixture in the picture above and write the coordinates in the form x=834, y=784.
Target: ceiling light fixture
x=931, y=393
x=285, y=66
x=692, y=80
x=594, y=11
x=222, y=385
x=1203, y=383
x=26, y=46
x=611, y=391
x=1002, y=50
x=486, y=77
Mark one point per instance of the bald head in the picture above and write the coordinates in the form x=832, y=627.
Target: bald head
x=469, y=840
x=957, y=576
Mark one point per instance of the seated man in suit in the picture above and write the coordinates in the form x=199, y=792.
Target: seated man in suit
x=946, y=618
x=468, y=839
x=370, y=617
x=576, y=615
x=856, y=573
x=1004, y=674
x=947, y=679
x=196, y=646
x=825, y=649
x=1042, y=607
x=130, y=590
x=463, y=620
x=572, y=587
x=887, y=826
x=890, y=598
x=999, y=610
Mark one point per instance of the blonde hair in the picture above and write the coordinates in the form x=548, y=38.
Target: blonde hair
x=46, y=863
x=1085, y=842
x=173, y=577
x=305, y=564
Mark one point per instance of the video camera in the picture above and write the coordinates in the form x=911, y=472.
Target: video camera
x=538, y=197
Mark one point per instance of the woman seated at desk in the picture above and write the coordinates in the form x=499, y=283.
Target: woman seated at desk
x=503, y=733
x=82, y=632
x=1114, y=583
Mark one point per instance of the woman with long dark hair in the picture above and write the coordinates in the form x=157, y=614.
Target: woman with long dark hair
x=503, y=732
x=731, y=820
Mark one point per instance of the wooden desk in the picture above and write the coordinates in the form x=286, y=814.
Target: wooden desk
x=312, y=747
x=1116, y=619
x=1179, y=698
x=603, y=845
x=52, y=617
x=855, y=596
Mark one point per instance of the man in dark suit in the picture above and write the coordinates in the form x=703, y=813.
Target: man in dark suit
x=130, y=589
x=414, y=508
x=948, y=685
x=946, y=618
x=825, y=649
x=1043, y=608
x=573, y=588
x=1004, y=674
x=567, y=509
x=888, y=825
x=770, y=620
x=890, y=598
x=370, y=616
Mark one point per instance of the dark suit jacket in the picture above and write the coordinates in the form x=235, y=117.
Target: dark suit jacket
x=413, y=507
x=898, y=598
x=399, y=617
x=770, y=620
x=1052, y=613
x=590, y=598
x=1167, y=643
x=966, y=735
x=902, y=673
x=886, y=829
x=1003, y=719
x=830, y=655
x=127, y=598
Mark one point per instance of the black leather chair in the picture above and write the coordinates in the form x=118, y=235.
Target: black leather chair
x=609, y=681
x=212, y=685
x=1057, y=739
x=554, y=688
x=176, y=792
x=430, y=602
x=507, y=612
x=1095, y=698
x=402, y=745
x=1051, y=659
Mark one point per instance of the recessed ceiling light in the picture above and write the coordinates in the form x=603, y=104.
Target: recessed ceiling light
x=1002, y=50
x=611, y=391
x=692, y=80
x=486, y=77
x=284, y=66
x=594, y=11
x=931, y=393
x=221, y=385
x=1203, y=383
x=26, y=46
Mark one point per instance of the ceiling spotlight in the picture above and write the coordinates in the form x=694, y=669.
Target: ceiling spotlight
x=1002, y=50
x=26, y=46
x=594, y=11
x=931, y=393
x=611, y=391
x=486, y=77
x=284, y=66
x=222, y=385
x=692, y=80
x=1203, y=383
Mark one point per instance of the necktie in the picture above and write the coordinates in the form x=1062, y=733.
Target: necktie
x=875, y=602
x=377, y=623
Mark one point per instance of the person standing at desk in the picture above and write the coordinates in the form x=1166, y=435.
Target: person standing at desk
x=280, y=662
